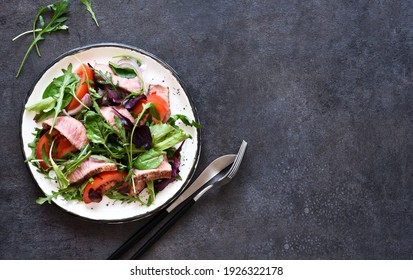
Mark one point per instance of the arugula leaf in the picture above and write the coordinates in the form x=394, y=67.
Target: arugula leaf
x=95, y=128
x=127, y=73
x=151, y=189
x=124, y=198
x=120, y=128
x=149, y=159
x=172, y=119
x=32, y=145
x=105, y=79
x=61, y=178
x=88, y=7
x=59, y=9
x=98, y=132
x=48, y=198
x=73, y=192
x=71, y=165
x=64, y=84
x=44, y=156
x=70, y=193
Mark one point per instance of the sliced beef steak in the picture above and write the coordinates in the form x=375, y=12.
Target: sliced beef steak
x=72, y=129
x=89, y=168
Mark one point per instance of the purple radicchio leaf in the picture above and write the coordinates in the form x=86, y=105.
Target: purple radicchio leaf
x=114, y=97
x=123, y=120
x=175, y=170
x=131, y=102
x=142, y=137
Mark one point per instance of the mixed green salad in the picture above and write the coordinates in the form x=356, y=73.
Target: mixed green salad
x=105, y=132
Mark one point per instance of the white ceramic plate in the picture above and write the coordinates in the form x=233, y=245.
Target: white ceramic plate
x=154, y=71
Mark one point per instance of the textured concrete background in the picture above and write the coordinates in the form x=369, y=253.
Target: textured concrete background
x=321, y=90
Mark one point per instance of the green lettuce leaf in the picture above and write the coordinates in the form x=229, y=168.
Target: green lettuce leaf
x=44, y=105
x=149, y=159
x=165, y=136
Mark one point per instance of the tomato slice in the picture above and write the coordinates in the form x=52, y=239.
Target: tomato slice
x=160, y=104
x=101, y=183
x=61, y=147
x=44, y=143
x=82, y=89
x=137, y=109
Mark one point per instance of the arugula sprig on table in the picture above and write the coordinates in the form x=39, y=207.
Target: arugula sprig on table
x=88, y=7
x=56, y=23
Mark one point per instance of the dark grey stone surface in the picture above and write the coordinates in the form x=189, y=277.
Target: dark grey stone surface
x=321, y=90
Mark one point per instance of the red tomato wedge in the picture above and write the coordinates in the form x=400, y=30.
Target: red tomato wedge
x=160, y=104
x=101, y=183
x=137, y=109
x=82, y=89
x=44, y=143
x=61, y=147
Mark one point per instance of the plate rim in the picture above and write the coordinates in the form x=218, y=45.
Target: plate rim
x=187, y=94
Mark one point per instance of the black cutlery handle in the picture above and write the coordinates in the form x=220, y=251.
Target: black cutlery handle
x=138, y=235
x=165, y=227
